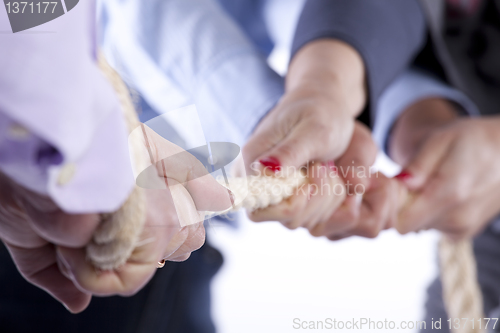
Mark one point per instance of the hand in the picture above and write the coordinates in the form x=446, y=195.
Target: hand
x=27, y=222
x=325, y=91
x=369, y=214
x=454, y=172
x=47, y=244
x=329, y=187
x=372, y=201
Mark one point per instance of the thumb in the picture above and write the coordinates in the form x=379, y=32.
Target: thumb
x=304, y=143
x=61, y=228
x=171, y=162
x=354, y=165
x=425, y=162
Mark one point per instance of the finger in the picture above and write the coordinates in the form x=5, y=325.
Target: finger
x=285, y=211
x=194, y=241
x=125, y=281
x=401, y=197
x=426, y=161
x=326, y=195
x=469, y=219
x=181, y=258
x=15, y=229
x=354, y=165
x=378, y=208
x=268, y=133
x=167, y=233
x=61, y=228
x=172, y=162
x=39, y=267
x=14, y=226
x=429, y=205
x=343, y=219
x=308, y=141
x=337, y=237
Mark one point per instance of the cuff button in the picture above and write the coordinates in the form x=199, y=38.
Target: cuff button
x=18, y=133
x=66, y=174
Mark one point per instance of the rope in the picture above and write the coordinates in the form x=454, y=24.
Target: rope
x=117, y=235
x=259, y=192
x=461, y=292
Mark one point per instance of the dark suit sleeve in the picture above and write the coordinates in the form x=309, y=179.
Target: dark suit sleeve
x=387, y=33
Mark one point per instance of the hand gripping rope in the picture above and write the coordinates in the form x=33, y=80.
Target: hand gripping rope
x=118, y=233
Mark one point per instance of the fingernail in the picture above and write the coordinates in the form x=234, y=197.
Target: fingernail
x=232, y=197
x=322, y=170
x=271, y=163
x=313, y=190
x=331, y=165
x=358, y=200
x=64, y=266
x=404, y=175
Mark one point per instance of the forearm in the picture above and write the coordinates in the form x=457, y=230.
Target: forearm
x=328, y=67
x=386, y=35
x=415, y=125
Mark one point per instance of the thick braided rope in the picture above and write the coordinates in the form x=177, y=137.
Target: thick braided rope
x=259, y=192
x=461, y=292
x=115, y=239
x=118, y=233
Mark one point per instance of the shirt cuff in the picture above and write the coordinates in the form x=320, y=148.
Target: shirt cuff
x=98, y=181
x=407, y=89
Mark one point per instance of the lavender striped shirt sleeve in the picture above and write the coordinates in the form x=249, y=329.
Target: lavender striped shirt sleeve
x=61, y=129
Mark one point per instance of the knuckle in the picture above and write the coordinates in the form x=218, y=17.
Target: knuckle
x=351, y=220
x=441, y=135
x=458, y=224
x=291, y=151
x=317, y=231
x=371, y=232
x=457, y=195
x=247, y=153
x=291, y=211
x=370, y=228
x=295, y=223
x=291, y=225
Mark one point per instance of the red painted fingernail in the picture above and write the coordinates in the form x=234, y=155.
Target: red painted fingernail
x=331, y=165
x=404, y=175
x=271, y=163
x=322, y=170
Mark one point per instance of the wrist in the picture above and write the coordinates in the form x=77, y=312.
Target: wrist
x=332, y=103
x=326, y=67
x=416, y=123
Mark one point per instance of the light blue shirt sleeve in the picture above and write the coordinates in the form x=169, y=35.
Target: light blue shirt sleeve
x=411, y=87
x=180, y=52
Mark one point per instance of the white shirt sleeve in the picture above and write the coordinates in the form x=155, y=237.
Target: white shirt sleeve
x=180, y=52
